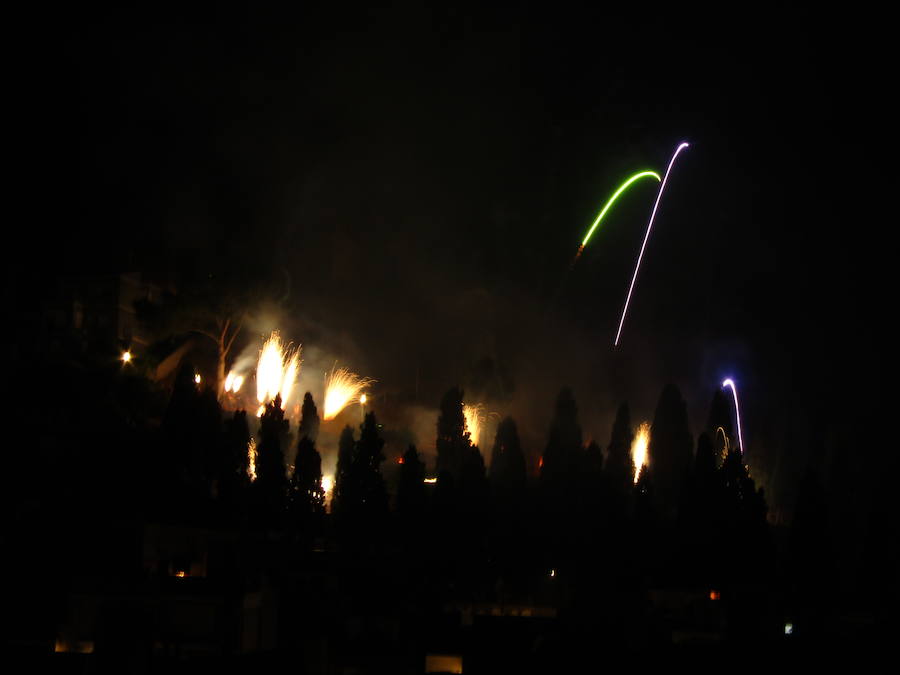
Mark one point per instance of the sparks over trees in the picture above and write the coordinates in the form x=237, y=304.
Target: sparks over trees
x=646, y=237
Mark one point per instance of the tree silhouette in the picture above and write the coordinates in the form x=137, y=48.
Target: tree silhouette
x=671, y=448
x=508, y=472
x=364, y=498
x=307, y=495
x=411, y=488
x=214, y=307
x=452, y=441
x=271, y=483
x=309, y=419
x=562, y=457
x=346, y=449
x=619, y=467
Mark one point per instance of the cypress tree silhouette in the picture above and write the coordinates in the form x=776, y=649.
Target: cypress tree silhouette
x=307, y=495
x=270, y=487
x=364, y=499
x=452, y=441
x=563, y=456
x=563, y=453
x=309, y=419
x=234, y=477
x=671, y=449
x=619, y=467
x=508, y=472
x=346, y=448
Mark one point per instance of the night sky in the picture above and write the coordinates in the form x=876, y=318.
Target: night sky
x=417, y=182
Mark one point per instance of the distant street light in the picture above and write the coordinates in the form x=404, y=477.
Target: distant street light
x=126, y=357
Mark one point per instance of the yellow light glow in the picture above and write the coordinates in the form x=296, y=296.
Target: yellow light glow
x=474, y=417
x=251, y=459
x=639, y=449
x=197, y=378
x=362, y=399
x=276, y=370
x=126, y=357
x=430, y=481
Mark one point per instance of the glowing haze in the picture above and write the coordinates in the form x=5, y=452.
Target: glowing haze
x=341, y=389
x=639, y=449
x=646, y=237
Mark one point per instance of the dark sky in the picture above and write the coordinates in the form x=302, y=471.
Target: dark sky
x=423, y=178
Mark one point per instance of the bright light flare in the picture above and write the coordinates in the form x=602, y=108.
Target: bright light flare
x=233, y=382
x=341, y=389
x=474, y=416
x=251, y=459
x=126, y=357
x=276, y=370
x=197, y=378
x=737, y=411
x=430, y=481
x=639, y=449
x=362, y=399
x=646, y=237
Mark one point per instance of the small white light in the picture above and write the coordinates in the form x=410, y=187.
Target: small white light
x=788, y=629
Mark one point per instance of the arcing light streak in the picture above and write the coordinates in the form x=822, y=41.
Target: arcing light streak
x=737, y=411
x=612, y=199
x=646, y=237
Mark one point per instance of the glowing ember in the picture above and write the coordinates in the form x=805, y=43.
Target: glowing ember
x=251, y=457
x=474, y=421
x=341, y=389
x=639, y=449
x=276, y=370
